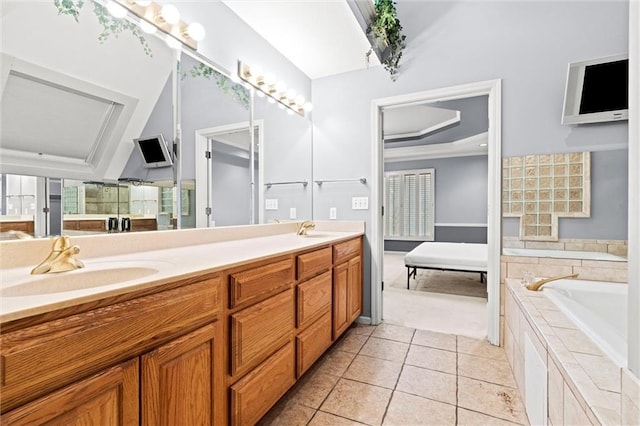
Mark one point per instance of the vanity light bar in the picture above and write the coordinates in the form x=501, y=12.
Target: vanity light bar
x=275, y=90
x=165, y=18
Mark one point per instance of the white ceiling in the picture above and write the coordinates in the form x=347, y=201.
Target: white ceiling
x=320, y=37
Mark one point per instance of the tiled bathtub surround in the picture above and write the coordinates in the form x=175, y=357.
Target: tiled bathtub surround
x=584, y=385
x=616, y=247
x=593, y=270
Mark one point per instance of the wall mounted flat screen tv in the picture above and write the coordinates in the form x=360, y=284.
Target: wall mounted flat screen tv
x=154, y=151
x=597, y=90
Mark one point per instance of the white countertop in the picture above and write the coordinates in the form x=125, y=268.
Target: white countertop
x=152, y=268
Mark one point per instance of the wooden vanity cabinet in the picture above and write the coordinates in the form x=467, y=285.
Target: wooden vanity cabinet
x=107, y=398
x=155, y=359
x=347, y=284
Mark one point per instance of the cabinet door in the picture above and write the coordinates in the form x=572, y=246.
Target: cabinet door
x=355, y=288
x=340, y=299
x=312, y=342
x=254, y=394
x=179, y=380
x=107, y=398
x=259, y=330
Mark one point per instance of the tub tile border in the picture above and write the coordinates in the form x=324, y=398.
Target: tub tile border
x=601, y=406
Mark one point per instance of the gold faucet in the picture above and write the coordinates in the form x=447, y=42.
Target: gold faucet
x=61, y=259
x=305, y=226
x=538, y=284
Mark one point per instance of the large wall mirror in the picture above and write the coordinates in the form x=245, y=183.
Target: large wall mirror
x=76, y=94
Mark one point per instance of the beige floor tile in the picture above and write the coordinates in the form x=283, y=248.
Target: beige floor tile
x=357, y=401
x=493, y=400
x=385, y=349
x=325, y=419
x=434, y=339
x=480, y=347
x=335, y=362
x=363, y=329
x=495, y=371
x=313, y=388
x=374, y=371
x=472, y=418
x=351, y=341
x=287, y=413
x=426, y=383
x=434, y=359
x=394, y=332
x=406, y=409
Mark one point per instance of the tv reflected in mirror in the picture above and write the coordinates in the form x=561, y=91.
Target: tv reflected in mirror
x=154, y=151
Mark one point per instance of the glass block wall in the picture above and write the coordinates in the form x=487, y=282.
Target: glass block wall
x=539, y=189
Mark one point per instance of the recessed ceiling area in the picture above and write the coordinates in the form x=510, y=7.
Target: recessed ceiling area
x=321, y=38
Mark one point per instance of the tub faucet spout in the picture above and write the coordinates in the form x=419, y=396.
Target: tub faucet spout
x=538, y=284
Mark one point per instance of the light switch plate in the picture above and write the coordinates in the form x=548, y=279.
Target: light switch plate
x=271, y=204
x=360, y=203
x=333, y=213
x=292, y=213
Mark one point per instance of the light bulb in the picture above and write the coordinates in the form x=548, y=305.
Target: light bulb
x=291, y=94
x=260, y=93
x=299, y=100
x=280, y=106
x=307, y=107
x=170, y=14
x=290, y=112
x=116, y=10
x=234, y=78
x=280, y=87
x=255, y=71
x=147, y=27
x=196, y=31
x=173, y=43
x=269, y=79
x=143, y=3
x=271, y=100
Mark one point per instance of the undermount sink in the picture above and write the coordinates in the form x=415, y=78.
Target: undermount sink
x=92, y=276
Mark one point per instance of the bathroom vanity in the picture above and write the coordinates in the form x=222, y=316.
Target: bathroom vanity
x=192, y=344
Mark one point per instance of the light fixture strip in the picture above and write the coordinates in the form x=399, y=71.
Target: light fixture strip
x=279, y=94
x=152, y=15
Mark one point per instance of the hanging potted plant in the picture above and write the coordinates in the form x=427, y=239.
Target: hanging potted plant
x=385, y=35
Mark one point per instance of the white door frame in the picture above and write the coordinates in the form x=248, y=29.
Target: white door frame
x=492, y=88
x=202, y=138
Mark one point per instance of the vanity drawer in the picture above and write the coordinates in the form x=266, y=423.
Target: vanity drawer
x=255, y=394
x=310, y=264
x=314, y=297
x=312, y=342
x=38, y=359
x=257, y=331
x=346, y=250
x=252, y=285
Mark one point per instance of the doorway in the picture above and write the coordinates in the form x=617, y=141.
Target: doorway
x=226, y=165
x=491, y=89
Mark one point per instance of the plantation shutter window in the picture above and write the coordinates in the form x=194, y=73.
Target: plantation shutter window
x=409, y=205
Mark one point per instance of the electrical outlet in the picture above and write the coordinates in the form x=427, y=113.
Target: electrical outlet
x=271, y=204
x=360, y=203
x=292, y=213
x=333, y=213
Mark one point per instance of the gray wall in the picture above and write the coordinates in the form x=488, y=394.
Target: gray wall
x=460, y=198
x=527, y=44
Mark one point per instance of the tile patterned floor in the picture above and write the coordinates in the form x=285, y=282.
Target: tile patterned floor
x=394, y=375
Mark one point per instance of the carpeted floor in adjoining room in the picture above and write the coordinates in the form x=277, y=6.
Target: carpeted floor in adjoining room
x=447, y=302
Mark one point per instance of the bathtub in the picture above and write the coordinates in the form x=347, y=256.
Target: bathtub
x=563, y=254
x=599, y=309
